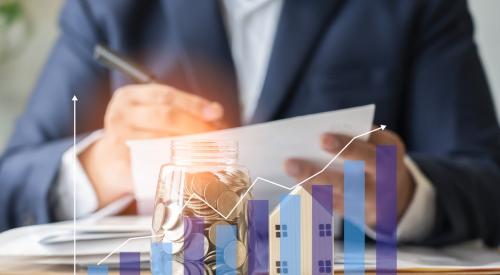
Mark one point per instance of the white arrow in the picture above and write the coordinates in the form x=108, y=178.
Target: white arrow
x=74, y=99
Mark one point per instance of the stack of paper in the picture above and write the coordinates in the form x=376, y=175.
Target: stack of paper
x=461, y=258
x=52, y=245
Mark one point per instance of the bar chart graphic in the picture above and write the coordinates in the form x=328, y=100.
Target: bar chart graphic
x=298, y=236
x=354, y=209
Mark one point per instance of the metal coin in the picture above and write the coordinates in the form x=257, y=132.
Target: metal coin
x=194, y=268
x=195, y=240
x=232, y=249
x=210, y=258
x=188, y=184
x=212, y=192
x=159, y=217
x=177, y=268
x=226, y=201
x=231, y=272
x=208, y=271
x=245, y=212
x=201, y=180
x=178, y=232
x=173, y=213
x=177, y=247
x=212, y=231
x=242, y=228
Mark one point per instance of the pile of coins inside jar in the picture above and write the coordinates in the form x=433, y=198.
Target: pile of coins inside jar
x=212, y=198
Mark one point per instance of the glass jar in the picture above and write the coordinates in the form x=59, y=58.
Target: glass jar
x=200, y=215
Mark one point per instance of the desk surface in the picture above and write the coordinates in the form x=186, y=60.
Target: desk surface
x=65, y=270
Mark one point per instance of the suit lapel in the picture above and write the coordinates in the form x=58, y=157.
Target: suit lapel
x=299, y=29
x=198, y=28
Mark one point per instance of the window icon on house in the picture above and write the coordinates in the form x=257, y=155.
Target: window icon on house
x=282, y=267
x=281, y=230
x=325, y=230
x=325, y=266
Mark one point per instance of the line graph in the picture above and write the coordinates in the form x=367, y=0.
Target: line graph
x=257, y=180
x=124, y=243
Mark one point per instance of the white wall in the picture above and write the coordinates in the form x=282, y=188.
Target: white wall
x=17, y=76
x=486, y=15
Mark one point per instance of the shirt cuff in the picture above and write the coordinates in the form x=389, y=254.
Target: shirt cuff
x=86, y=198
x=417, y=221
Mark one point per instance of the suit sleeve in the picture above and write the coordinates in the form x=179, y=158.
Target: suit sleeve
x=30, y=163
x=452, y=132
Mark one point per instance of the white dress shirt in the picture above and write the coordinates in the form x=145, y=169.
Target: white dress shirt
x=251, y=26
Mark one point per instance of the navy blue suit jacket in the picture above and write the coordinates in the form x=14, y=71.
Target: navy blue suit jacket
x=416, y=60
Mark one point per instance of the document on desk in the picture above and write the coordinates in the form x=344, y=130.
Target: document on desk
x=48, y=245
x=461, y=258
x=52, y=244
x=263, y=148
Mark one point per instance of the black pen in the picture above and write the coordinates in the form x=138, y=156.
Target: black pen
x=114, y=61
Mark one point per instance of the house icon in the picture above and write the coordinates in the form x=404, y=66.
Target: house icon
x=301, y=237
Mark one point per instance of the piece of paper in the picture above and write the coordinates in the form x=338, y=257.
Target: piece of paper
x=31, y=241
x=263, y=148
x=22, y=246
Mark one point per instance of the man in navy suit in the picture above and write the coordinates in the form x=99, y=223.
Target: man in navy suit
x=253, y=61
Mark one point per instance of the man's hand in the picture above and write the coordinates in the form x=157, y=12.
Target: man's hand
x=357, y=150
x=136, y=112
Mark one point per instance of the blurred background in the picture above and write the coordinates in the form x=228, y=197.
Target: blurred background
x=28, y=29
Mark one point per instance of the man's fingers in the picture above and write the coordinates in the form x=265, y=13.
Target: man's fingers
x=132, y=134
x=302, y=169
x=156, y=94
x=199, y=107
x=355, y=150
x=388, y=137
x=309, y=174
x=164, y=119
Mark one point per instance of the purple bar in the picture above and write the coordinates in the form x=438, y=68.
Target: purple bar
x=130, y=263
x=194, y=244
x=386, y=209
x=322, y=229
x=258, y=237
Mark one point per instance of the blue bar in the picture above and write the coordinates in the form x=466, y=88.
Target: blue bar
x=224, y=235
x=387, y=215
x=354, y=217
x=130, y=263
x=161, y=258
x=97, y=270
x=322, y=229
x=258, y=237
x=288, y=232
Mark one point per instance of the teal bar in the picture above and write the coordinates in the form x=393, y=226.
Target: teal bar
x=288, y=232
x=225, y=256
x=97, y=270
x=354, y=217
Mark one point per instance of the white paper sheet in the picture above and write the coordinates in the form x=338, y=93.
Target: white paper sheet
x=23, y=246
x=263, y=148
x=29, y=241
